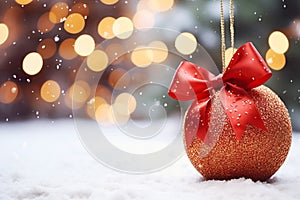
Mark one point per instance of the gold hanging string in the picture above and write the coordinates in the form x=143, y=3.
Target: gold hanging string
x=223, y=42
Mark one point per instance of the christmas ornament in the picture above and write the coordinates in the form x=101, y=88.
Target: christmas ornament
x=236, y=127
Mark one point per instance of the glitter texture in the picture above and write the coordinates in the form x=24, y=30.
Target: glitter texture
x=258, y=155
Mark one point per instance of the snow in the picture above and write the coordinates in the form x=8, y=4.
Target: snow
x=45, y=160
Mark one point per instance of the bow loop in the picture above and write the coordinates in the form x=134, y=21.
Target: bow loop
x=246, y=70
x=191, y=82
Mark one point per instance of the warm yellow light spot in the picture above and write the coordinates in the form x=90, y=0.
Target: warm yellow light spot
x=84, y=45
x=81, y=8
x=278, y=42
x=109, y=2
x=74, y=23
x=160, y=6
x=142, y=56
x=50, y=91
x=105, y=28
x=122, y=28
x=93, y=104
x=97, y=61
x=228, y=55
x=275, y=61
x=8, y=92
x=104, y=115
x=143, y=19
x=118, y=79
x=186, y=43
x=68, y=99
x=23, y=2
x=66, y=49
x=44, y=24
x=32, y=63
x=46, y=48
x=159, y=50
x=4, y=32
x=80, y=91
x=125, y=104
x=58, y=12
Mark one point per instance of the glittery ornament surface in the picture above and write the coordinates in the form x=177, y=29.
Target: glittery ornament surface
x=257, y=155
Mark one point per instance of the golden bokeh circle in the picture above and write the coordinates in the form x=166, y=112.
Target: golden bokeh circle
x=186, y=43
x=143, y=19
x=84, y=45
x=50, y=91
x=23, y=2
x=58, y=12
x=142, y=56
x=4, y=32
x=275, y=61
x=160, y=51
x=74, y=23
x=109, y=2
x=8, y=92
x=97, y=61
x=278, y=42
x=122, y=27
x=32, y=63
x=66, y=49
x=105, y=28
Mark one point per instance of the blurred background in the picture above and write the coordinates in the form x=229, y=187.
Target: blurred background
x=43, y=45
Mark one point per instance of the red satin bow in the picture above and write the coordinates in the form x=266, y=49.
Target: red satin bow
x=246, y=70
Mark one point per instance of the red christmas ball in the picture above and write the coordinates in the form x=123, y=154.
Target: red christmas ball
x=257, y=155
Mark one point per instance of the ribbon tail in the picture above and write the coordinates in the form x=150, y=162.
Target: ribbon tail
x=240, y=109
x=196, y=122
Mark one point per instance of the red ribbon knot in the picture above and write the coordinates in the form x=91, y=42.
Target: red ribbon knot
x=246, y=70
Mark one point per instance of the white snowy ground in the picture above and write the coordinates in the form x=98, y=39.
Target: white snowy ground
x=44, y=160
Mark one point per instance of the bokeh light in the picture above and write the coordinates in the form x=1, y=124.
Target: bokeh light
x=44, y=25
x=84, y=45
x=58, y=12
x=47, y=48
x=32, y=63
x=50, y=91
x=66, y=49
x=23, y=2
x=80, y=91
x=142, y=56
x=160, y=6
x=275, y=61
x=74, y=23
x=229, y=54
x=93, y=104
x=104, y=115
x=109, y=2
x=122, y=28
x=8, y=92
x=105, y=28
x=125, y=104
x=159, y=50
x=278, y=42
x=97, y=61
x=143, y=19
x=4, y=32
x=186, y=43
